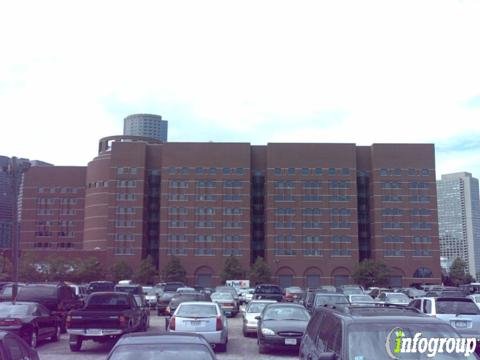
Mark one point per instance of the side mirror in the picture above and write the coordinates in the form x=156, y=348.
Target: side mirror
x=258, y=317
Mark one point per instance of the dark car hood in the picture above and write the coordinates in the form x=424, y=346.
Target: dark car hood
x=286, y=325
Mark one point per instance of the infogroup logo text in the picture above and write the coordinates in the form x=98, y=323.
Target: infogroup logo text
x=397, y=344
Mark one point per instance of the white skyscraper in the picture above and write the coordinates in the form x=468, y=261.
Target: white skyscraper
x=459, y=219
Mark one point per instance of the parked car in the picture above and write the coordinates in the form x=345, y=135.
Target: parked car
x=80, y=291
x=151, y=296
x=293, y=294
x=360, y=299
x=325, y=299
x=268, y=292
x=31, y=321
x=13, y=347
x=96, y=286
x=106, y=316
x=446, y=293
x=413, y=293
x=281, y=326
x=186, y=290
x=58, y=298
x=252, y=310
x=350, y=290
x=204, y=318
x=362, y=332
x=393, y=298
x=227, y=303
x=475, y=298
x=6, y=292
x=143, y=305
x=167, y=346
x=180, y=298
x=169, y=290
x=134, y=289
x=231, y=290
x=461, y=313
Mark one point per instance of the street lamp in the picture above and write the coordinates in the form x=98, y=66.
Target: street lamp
x=15, y=170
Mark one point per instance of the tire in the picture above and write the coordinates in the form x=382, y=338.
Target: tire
x=75, y=343
x=33, y=339
x=262, y=349
x=55, y=337
x=245, y=334
x=63, y=327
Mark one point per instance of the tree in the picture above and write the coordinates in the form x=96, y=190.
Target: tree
x=146, y=272
x=88, y=270
x=260, y=272
x=31, y=269
x=174, y=271
x=5, y=268
x=121, y=271
x=458, y=272
x=232, y=270
x=371, y=273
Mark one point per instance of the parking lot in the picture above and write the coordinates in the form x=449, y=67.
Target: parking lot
x=239, y=347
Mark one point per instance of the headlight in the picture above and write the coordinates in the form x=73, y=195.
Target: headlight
x=266, y=331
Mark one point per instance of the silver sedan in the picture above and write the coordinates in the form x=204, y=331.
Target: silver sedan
x=252, y=310
x=204, y=318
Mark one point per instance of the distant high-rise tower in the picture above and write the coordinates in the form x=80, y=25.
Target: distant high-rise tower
x=147, y=125
x=459, y=219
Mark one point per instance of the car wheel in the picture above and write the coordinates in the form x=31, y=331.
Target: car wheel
x=245, y=334
x=56, y=336
x=75, y=343
x=262, y=349
x=33, y=339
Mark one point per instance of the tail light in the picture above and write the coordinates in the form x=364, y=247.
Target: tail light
x=123, y=321
x=219, y=325
x=171, y=323
x=10, y=322
x=68, y=320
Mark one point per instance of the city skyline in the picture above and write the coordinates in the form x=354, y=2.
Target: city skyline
x=313, y=72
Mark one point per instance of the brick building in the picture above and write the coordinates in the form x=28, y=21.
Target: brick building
x=312, y=210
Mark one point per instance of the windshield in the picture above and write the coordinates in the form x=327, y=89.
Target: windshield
x=193, y=310
x=256, y=307
x=368, y=341
x=285, y=313
x=161, y=352
x=221, y=296
x=457, y=307
x=361, y=298
x=101, y=287
x=172, y=287
x=10, y=310
x=28, y=292
x=350, y=291
x=321, y=300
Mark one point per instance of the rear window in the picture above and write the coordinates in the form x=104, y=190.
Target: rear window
x=108, y=301
x=321, y=300
x=457, y=307
x=269, y=290
x=10, y=310
x=194, y=310
x=172, y=287
x=161, y=352
x=285, y=313
x=130, y=289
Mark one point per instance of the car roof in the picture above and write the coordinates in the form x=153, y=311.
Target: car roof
x=161, y=338
x=256, y=301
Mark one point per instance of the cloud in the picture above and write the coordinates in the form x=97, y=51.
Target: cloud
x=258, y=72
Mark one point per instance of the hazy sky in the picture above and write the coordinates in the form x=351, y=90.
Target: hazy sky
x=251, y=71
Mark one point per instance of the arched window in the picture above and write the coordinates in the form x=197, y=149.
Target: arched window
x=423, y=272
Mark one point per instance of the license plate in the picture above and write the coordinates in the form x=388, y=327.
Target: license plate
x=195, y=322
x=290, y=341
x=94, y=331
x=460, y=324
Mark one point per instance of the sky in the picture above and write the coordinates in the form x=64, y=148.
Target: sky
x=250, y=71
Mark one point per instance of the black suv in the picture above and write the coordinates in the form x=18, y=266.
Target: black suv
x=268, y=292
x=59, y=298
x=366, y=332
